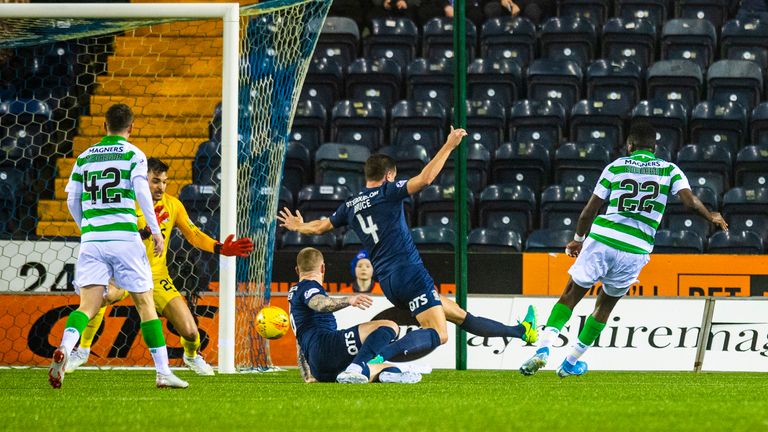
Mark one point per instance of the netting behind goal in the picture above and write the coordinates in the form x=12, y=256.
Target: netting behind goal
x=57, y=79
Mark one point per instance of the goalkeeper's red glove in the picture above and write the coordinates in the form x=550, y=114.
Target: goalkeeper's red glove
x=240, y=247
x=161, y=217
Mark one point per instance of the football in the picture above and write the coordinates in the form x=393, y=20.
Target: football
x=272, y=322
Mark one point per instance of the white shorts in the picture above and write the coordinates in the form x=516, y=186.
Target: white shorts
x=125, y=262
x=617, y=270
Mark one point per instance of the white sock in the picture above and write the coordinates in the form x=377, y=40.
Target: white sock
x=84, y=351
x=70, y=338
x=547, y=337
x=578, y=350
x=356, y=368
x=160, y=356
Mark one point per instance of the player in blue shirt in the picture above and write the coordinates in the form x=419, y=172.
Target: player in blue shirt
x=376, y=215
x=323, y=350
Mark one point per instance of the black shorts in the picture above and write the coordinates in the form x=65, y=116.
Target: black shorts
x=411, y=288
x=331, y=352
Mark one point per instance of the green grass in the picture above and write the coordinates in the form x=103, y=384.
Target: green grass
x=487, y=401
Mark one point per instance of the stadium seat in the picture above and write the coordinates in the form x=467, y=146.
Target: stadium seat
x=669, y=118
x=297, y=171
x=375, y=80
x=677, y=217
x=206, y=167
x=431, y=81
x=323, y=83
x=745, y=40
x=21, y=144
x=629, y=40
x=747, y=209
x=309, y=125
x=594, y=11
x=12, y=153
x=759, y=125
x=689, y=39
x=339, y=40
x=49, y=65
x=478, y=167
x=655, y=11
x=320, y=201
x=706, y=165
x=714, y=11
x=410, y=160
x=580, y=164
x=486, y=123
x=568, y=38
x=341, y=164
x=678, y=242
x=731, y=242
x=557, y=80
x=350, y=241
x=512, y=38
x=495, y=80
x=490, y=240
x=417, y=123
x=562, y=205
x=392, y=38
x=750, y=170
x=12, y=185
x=435, y=206
x=200, y=199
x=675, y=80
x=547, y=240
x=285, y=199
x=599, y=122
x=722, y=124
x=294, y=241
x=433, y=238
x=507, y=207
x=33, y=115
x=521, y=163
x=359, y=122
x=437, y=38
x=738, y=81
x=537, y=121
x=615, y=82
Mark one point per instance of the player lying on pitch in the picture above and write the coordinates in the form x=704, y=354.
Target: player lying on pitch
x=377, y=217
x=323, y=350
x=619, y=242
x=169, y=213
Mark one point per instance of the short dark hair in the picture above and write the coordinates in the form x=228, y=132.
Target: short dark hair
x=377, y=166
x=118, y=117
x=156, y=166
x=309, y=259
x=642, y=135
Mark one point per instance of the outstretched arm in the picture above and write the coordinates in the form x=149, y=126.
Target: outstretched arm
x=306, y=373
x=692, y=202
x=296, y=222
x=322, y=303
x=430, y=172
x=582, y=225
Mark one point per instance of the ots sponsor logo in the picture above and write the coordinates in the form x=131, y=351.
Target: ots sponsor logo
x=349, y=340
x=417, y=302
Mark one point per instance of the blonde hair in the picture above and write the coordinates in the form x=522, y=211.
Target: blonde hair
x=308, y=260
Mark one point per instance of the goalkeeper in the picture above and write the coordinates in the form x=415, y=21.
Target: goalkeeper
x=170, y=213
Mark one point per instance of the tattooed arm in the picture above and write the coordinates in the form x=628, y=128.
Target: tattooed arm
x=306, y=374
x=322, y=303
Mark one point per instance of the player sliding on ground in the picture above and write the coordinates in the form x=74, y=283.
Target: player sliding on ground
x=323, y=351
x=169, y=212
x=107, y=181
x=377, y=217
x=619, y=242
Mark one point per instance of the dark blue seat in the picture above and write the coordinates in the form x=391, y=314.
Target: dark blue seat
x=689, y=39
x=323, y=82
x=537, y=121
x=201, y=199
x=320, y=201
x=678, y=242
x=759, y=125
x=722, y=124
x=486, y=123
x=33, y=115
x=206, y=167
x=548, y=240
x=410, y=160
x=285, y=199
x=294, y=241
x=431, y=80
x=747, y=209
x=557, y=80
x=297, y=171
x=309, y=124
x=341, y=164
x=490, y=240
x=738, y=81
x=437, y=38
x=568, y=38
x=433, y=238
x=350, y=241
x=521, y=163
x=562, y=205
x=616, y=82
x=478, y=167
x=599, y=122
x=507, y=207
x=359, y=122
x=714, y=11
x=392, y=38
x=580, y=164
x=655, y=11
x=675, y=80
x=339, y=40
x=375, y=80
x=594, y=11
x=629, y=40
x=49, y=65
x=495, y=80
x=435, y=206
x=745, y=40
x=677, y=217
x=706, y=165
x=731, y=242
x=417, y=123
x=669, y=118
x=512, y=38
x=750, y=170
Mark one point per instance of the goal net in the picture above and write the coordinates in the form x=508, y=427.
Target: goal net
x=58, y=76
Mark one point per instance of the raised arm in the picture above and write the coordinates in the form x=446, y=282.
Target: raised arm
x=306, y=373
x=693, y=203
x=430, y=171
x=586, y=217
x=296, y=222
x=323, y=303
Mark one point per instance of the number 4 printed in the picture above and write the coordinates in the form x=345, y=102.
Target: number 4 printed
x=370, y=229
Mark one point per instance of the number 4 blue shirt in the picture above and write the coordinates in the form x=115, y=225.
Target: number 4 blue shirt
x=377, y=217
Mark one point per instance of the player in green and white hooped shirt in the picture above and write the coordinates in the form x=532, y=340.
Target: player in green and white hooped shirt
x=107, y=181
x=619, y=242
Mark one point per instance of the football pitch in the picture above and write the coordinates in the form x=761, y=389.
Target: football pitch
x=444, y=401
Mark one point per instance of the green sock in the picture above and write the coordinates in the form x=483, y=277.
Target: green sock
x=559, y=316
x=77, y=320
x=591, y=331
x=152, y=331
